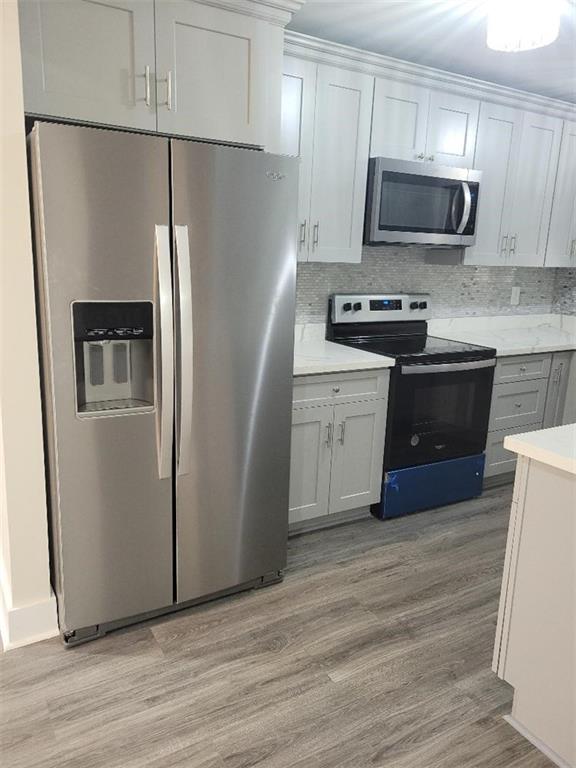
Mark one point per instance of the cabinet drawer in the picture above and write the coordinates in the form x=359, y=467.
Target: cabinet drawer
x=498, y=460
x=522, y=368
x=517, y=404
x=327, y=388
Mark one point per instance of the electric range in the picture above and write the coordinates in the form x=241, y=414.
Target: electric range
x=438, y=404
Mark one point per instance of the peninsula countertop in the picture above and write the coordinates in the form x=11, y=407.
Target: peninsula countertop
x=555, y=446
x=314, y=355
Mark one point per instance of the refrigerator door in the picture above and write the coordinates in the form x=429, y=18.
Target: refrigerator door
x=235, y=255
x=101, y=202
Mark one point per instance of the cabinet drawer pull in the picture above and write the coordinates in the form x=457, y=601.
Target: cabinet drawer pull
x=518, y=405
x=342, y=430
x=523, y=369
x=513, y=240
x=302, y=240
x=335, y=389
x=147, y=99
x=315, y=234
x=168, y=81
x=504, y=245
x=329, y=428
x=420, y=156
x=431, y=158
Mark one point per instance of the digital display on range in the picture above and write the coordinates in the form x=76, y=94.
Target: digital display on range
x=377, y=305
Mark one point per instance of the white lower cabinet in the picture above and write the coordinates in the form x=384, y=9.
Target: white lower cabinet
x=310, y=461
x=337, y=452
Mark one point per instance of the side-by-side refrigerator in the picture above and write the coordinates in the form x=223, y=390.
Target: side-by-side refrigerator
x=166, y=285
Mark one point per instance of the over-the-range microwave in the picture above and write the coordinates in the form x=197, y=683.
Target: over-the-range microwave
x=421, y=203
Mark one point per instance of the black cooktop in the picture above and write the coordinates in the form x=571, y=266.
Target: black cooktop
x=420, y=348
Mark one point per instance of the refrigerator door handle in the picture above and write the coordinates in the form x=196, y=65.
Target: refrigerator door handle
x=186, y=377
x=165, y=413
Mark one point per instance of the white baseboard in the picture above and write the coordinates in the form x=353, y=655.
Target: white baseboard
x=538, y=743
x=27, y=624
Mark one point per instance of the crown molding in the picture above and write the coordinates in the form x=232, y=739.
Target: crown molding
x=335, y=54
x=277, y=12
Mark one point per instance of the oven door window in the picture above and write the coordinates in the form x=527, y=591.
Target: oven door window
x=411, y=203
x=438, y=416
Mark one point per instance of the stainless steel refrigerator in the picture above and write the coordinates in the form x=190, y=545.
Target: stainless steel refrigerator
x=166, y=284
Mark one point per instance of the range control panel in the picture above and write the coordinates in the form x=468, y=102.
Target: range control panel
x=377, y=308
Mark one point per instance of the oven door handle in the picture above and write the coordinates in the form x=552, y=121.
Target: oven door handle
x=467, y=208
x=447, y=367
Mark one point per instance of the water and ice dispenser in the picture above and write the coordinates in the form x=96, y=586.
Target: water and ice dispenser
x=113, y=356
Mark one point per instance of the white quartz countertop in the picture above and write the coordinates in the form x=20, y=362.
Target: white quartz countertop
x=511, y=335
x=313, y=354
x=555, y=447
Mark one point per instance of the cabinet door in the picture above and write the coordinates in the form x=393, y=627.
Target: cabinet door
x=297, y=135
x=358, y=454
x=214, y=68
x=496, y=152
x=452, y=126
x=340, y=164
x=557, y=389
x=399, y=120
x=534, y=189
x=90, y=60
x=561, y=247
x=310, y=457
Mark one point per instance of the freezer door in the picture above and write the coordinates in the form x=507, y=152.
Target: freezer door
x=101, y=202
x=235, y=219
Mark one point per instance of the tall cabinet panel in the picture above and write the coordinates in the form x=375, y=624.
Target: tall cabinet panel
x=240, y=54
x=561, y=248
x=534, y=189
x=297, y=135
x=340, y=164
x=496, y=156
x=88, y=60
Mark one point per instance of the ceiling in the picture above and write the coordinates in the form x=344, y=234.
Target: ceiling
x=446, y=34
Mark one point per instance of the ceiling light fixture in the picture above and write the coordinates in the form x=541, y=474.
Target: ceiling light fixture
x=521, y=25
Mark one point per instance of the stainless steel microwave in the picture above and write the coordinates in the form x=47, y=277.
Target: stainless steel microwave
x=410, y=202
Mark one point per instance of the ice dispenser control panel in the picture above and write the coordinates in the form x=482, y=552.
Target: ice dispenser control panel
x=114, y=356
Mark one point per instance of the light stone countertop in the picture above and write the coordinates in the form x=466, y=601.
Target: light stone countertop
x=511, y=334
x=555, y=447
x=314, y=355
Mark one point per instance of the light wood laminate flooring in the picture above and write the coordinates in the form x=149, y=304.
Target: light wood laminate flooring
x=374, y=652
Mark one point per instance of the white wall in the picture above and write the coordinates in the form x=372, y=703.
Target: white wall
x=27, y=606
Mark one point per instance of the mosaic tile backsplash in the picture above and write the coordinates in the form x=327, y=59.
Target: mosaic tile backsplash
x=456, y=289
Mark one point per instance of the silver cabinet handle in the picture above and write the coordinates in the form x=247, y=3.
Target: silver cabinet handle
x=573, y=249
x=523, y=368
x=165, y=383
x=336, y=389
x=558, y=373
x=168, y=81
x=315, y=234
x=518, y=405
x=504, y=245
x=513, y=240
x=431, y=158
x=342, y=431
x=329, y=429
x=420, y=156
x=185, y=348
x=302, y=238
x=147, y=99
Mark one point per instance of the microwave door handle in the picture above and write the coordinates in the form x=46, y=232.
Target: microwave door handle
x=467, y=208
x=185, y=362
x=165, y=395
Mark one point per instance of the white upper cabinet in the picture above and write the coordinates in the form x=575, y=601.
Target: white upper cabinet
x=452, y=125
x=339, y=164
x=411, y=122
x=534, y=189
x=496, y=156
x=561, y=248
x=89, y=60
x=297, y=135
x=399, y=120
x=213, y=69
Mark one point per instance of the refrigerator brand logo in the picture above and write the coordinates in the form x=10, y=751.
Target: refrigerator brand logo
x=275, y=175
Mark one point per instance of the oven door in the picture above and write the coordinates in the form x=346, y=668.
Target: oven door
x=415, y=203
x=438, y=412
